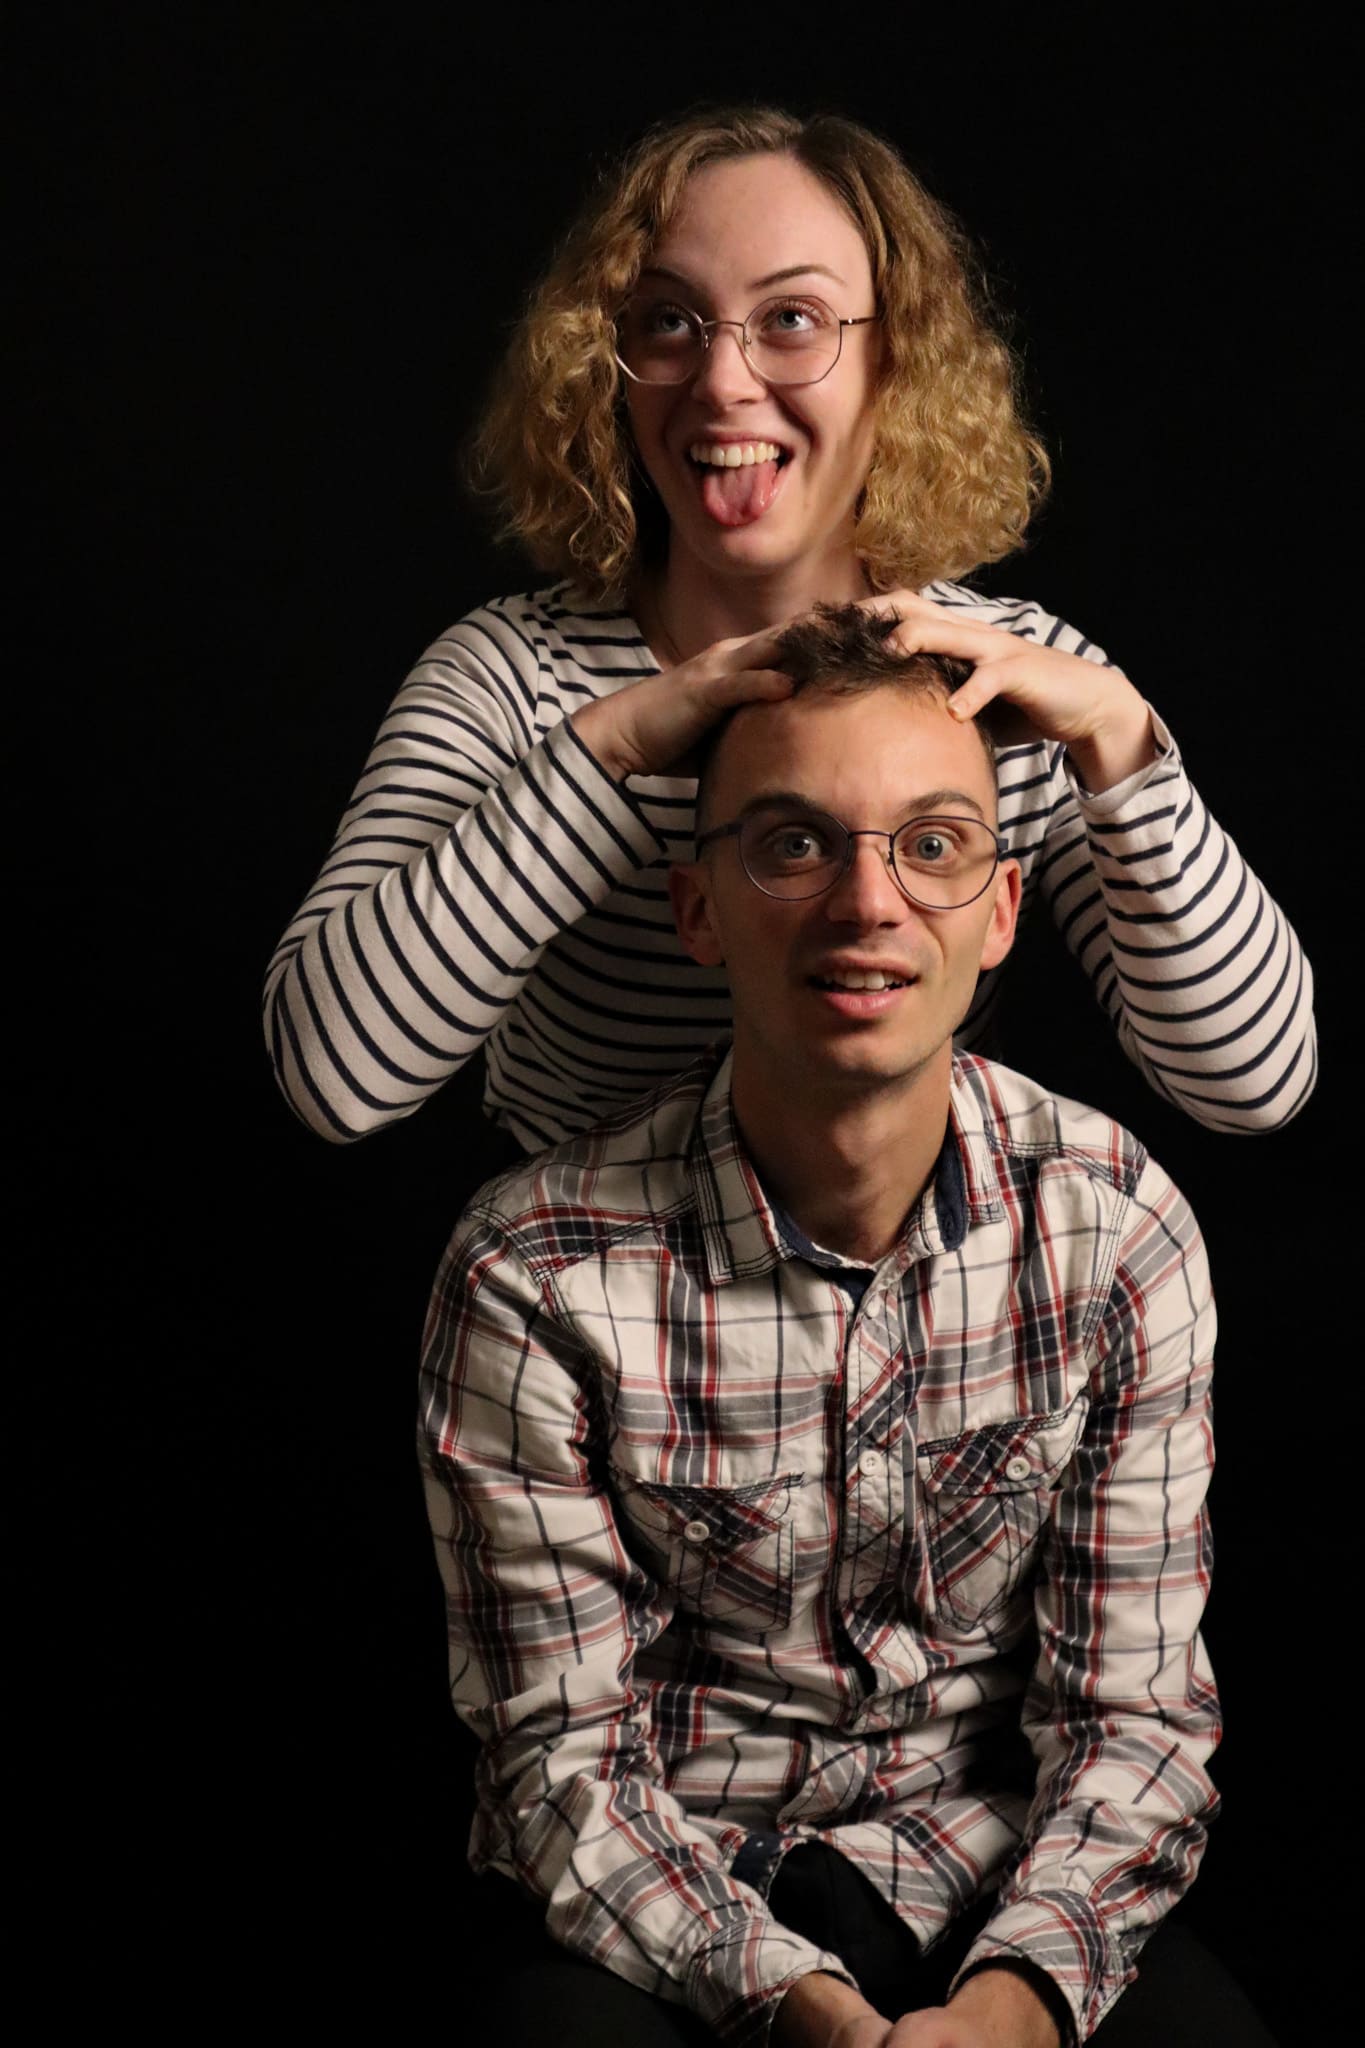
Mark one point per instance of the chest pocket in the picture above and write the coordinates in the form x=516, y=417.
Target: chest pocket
x=985, y=1496
x=725, y=1552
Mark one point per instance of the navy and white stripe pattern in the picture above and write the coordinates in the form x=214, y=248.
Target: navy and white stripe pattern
x=491, y=884
x=741, y=1541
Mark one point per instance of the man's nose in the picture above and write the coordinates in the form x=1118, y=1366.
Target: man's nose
x=867, y=892
x=725, y=372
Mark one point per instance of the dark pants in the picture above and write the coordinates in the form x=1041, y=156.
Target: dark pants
x=1182, y=1997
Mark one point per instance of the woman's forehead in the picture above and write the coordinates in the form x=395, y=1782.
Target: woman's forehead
x=754, y=215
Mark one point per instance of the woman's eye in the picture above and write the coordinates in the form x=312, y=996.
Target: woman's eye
x=791, y=317
x=665, y=323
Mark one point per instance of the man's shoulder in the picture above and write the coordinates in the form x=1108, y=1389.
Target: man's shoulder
x=627, y=1176
x=1020, y=1122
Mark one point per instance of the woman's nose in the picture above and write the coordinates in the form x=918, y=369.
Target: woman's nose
x=725, y=372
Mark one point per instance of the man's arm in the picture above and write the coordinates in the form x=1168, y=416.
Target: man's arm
x=547, y=1610
x=1121, y=1711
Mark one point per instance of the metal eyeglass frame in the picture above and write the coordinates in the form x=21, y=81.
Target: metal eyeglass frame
x=703, y=330
x=736, y=826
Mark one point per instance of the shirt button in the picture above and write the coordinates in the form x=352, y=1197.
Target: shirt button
x=870, y=1461
x=1018, y=1468
x=697, y=1532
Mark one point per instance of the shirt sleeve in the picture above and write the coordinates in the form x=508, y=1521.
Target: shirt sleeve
x=547, y=1612
x=1121, y=1710
x=1197, y=967
x=472, y=840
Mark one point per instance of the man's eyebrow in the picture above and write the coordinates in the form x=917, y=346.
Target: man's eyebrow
x=931, y=803
x=756, y=284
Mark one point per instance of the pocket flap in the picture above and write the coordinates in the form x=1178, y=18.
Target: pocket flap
x=1018, y=1455
x=715, y=1518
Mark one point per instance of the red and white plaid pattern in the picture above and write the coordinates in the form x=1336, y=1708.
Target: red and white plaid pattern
x=921, y=1578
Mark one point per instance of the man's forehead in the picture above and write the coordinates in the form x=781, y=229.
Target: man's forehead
x=880, y=741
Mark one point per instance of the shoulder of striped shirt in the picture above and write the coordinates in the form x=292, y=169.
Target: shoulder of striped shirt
x=630, y=1173
x=561, y=609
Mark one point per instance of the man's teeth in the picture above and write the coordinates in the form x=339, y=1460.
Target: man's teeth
x=734, y=454
x=854, y=978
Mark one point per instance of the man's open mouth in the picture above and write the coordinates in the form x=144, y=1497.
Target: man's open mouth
x=860, y=980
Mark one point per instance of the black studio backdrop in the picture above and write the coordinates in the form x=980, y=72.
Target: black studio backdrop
x=272, y=254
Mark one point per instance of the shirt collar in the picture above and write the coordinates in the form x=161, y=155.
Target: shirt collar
x=744, y=1238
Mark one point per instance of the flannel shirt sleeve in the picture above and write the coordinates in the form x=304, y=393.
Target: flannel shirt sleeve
x=1121, y=1710
x=547, y=1610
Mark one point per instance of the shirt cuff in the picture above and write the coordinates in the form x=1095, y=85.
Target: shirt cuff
x=1060, y=1934
x=735, y=1983
x=1165, y=765
x=611, y=803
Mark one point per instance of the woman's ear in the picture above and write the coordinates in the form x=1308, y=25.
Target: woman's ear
x=688, y=891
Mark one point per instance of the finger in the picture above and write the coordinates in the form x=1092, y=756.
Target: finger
x=982, y=686
x=744, y=686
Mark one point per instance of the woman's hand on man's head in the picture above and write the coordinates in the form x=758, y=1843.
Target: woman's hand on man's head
x=1094, y=712
x=652, y=726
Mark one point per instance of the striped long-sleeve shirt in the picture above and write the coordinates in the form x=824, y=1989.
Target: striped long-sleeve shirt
x=491, y=884
x=744, y=1545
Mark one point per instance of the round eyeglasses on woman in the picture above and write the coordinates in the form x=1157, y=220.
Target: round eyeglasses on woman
x=940, y=863
x=785, y=340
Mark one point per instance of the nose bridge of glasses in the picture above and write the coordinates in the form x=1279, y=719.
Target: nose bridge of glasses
x=707, y=332
x=883, y=854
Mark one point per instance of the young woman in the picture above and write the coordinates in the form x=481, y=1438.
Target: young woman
x=755, y=378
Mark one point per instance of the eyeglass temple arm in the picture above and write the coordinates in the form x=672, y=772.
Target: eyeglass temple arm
x=730, y=831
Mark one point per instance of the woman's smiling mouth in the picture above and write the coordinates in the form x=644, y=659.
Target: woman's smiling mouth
x=739, y=479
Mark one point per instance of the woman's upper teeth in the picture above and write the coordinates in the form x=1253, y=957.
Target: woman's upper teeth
x=733, y=454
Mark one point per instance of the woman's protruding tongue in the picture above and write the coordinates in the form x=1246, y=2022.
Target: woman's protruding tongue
x=734, y=497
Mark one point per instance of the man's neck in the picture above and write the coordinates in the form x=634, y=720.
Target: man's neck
x=849, y=1167
x=696, y=608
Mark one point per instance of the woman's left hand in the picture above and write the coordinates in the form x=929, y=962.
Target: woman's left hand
x=1094, y=712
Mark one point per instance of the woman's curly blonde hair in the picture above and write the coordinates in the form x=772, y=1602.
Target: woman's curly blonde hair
x=955, y=473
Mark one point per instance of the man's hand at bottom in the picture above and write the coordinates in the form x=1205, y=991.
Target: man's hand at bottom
x=995, y=2008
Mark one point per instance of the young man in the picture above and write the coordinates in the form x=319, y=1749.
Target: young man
x=817, y=1456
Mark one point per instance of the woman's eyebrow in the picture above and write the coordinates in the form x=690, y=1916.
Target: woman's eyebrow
x=757, y=284
x=795, y=270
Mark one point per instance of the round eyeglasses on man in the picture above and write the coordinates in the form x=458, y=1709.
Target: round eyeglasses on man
x=785, y=340
x=940, y=863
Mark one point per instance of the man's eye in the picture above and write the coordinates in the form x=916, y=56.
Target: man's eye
x=930, y=849
x=794, y=845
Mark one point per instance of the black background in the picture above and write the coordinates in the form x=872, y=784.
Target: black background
x=266, y=260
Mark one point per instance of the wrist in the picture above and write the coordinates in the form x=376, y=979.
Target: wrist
x=1125, y=745
x=596, y=728
x=1014, y=2002
x=813, y=2010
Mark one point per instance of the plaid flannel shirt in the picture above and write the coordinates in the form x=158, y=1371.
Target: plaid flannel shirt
x=745, y=1546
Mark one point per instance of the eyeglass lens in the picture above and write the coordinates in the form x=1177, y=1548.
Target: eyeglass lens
x=940, y=862
x=787, y=340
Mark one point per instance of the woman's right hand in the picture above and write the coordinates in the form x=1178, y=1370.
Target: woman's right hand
x=650, y=727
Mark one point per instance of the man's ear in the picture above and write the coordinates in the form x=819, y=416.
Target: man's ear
x=688, y=893
x=999, y=936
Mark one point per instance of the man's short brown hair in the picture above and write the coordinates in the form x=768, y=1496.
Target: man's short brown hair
x=843, y=650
